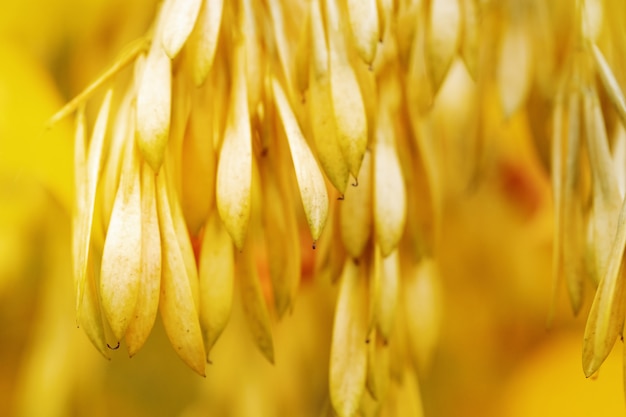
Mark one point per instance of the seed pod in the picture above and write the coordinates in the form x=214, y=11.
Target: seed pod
x=404, y=397
x=514, y=68
x=122, y=131
x=422, y=303
x=198, y=167
x=234, y=170
x=387, y=300
x=89, y=169
x=356, y=212
x=385, y=8
x=303, y=55
x=325, y=135
x=89, y=316
x=606, y=317
x=470, y=37
x=254, y=53
x=606, y=196
x=217, y=275
x=282, y=237
x=179, y=18
x=389, y=191
x=154, y=100
x=347, y=100
x=321, y=108
x=573, y=222
x=150, y=284
x=254, y=306
x=176, y=304
x=319, y=61
x=611, y=86
x=378, y=375
x=364, y=22
x=120, y=275
x=442, y=39
x=348, y=354
x=310, y=180
x=204, y=38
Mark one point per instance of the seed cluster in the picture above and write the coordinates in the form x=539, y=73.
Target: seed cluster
x=234, y=109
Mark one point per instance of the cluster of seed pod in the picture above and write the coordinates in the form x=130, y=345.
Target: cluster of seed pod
x=235, y=108
x=588, y=177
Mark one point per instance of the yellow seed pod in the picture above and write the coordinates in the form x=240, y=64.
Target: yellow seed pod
x=154, y=100
x=378, y=374
x=389, y=194
x=442, y=38
x=572, y=206
x=89, y=169
x=179, y=18
x=303, y=55
x=204, y=38
x=606, y=196
x=387, y=300
x=514, y=67
x=364, y=22
x=120, y=274
x=254, y=306
x=217, y=276
x=348, y=352
x=282, y=237
x=347, y=100
x=89, y=316
x=198, y=168
x=150, y=284
x=176, y=304
x=469, y=47
x=355, y=211
x=310, y=180
x=422, y=311
x=606, y=318
x=325, y=134
x=234, y=170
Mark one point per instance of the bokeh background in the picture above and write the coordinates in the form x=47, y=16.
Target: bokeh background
x=495, y=356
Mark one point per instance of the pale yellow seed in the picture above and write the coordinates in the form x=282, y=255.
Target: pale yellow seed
x=347, y=99
x=573, y=246
x=154, y=100
x=254, y=306
x=442, y=38
x=356, y=211
x=120, y=275
x=348, y=354
x=282, y=237
x=178, y=21
x=422, y=303
x=325, y=134
x=88, y=314
x=606, y=318
x=364, y=22
x=514, y=68
x=606, y=196
x=387, y=301
x=234, y=170
x=217, y=276
x=310, y=180
x=203, y=40
x=176, y=303
x=150, y=285
x=389, y=189
x=91, y=176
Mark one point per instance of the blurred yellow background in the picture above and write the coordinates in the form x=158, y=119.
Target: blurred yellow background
x=495, y=355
